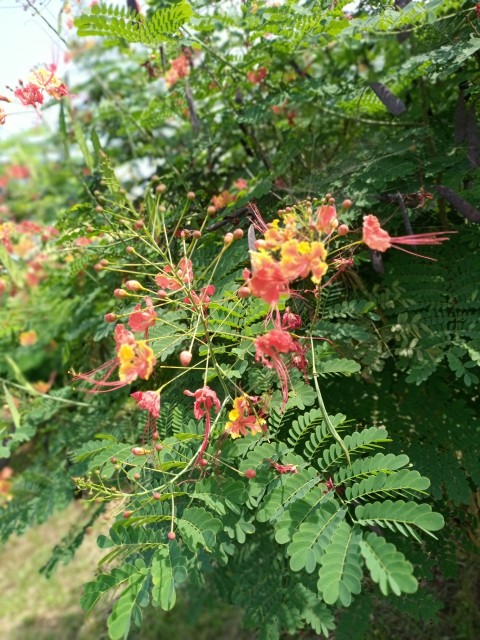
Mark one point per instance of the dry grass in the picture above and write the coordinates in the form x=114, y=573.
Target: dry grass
x=33, y=607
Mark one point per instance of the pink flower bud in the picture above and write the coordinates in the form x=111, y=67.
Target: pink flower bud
x=191, y=195
x=139, y=451
x=185, y=358
x=156, y=496
x=250, y=473
x=171, y=535
x=130, y=249
x=346, y=204
x=197, y=234
x=127, y=514
x=138, y=224
x=343, y=230
x=161, y=294
x=228, y=238
x=237, y=234
x=120, y=293
x=133, y=285
x=243, y=292
x=110, y=317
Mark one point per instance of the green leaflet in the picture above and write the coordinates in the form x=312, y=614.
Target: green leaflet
x=340, y=572
x=401, y=516
x=388, y=567
x=127, y=608
x=221, y=495
x=309, y=542
x=198, y=528
x=107, y=20
x=404, y=482
x=92, y=591
x=168, y=571
x=293, y=488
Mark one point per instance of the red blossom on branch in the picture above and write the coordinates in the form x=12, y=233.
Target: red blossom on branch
x=205, y=400
x=142, y=319
x=378, y=239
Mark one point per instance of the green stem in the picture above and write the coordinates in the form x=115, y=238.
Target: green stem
x=325, y=415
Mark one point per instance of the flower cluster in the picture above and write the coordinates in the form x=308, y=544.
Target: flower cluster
x=291, y=249
x=42, y=80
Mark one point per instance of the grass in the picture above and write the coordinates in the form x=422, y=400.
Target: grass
x=33, y=607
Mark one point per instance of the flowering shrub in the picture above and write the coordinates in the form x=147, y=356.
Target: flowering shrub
x=194, y=341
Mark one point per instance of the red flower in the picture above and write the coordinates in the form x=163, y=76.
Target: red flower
x=241, y=418
x=29, y=95
x=268, y=280
x=269, y=347
x=205, y=399
x=378, y=239
x=291, y=320
x=148, y=400
x=284, y=468
x=184, y=273
x=141, y=319
x=326, y=218
x=202, y=299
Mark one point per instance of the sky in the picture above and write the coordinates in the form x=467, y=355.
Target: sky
x=25, y=41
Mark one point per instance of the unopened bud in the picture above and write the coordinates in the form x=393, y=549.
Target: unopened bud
x=197, y=234
x=171, y=535
x=139, y=224
x=127, y=514
x=237, y=234
x=346, y=204
x=343, y=230
x=191, y=195
x=228, y=238
x=133, y=285
x=139, y=451
x=110, y=317
x=243, y=292
x=250, y=473
x=120, y=293
x=161, y=188
x=161, y=294
x=185, y=358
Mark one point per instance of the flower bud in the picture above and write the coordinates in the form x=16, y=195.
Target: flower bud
x=133, y=285
x=211, y=210
x=191, y=195
x=136, y=476
x=161, y=188
x=139, y=451
x=171, y=535
x=250, y=473
x=185, y=358
x=156, y=496
x=110, y=317
x=237, y=234
x=120, y=293
x=127, y=514
x=346, y=204
x=161, y=294
x=243, y=292
x=343, y=230
x=130, y=249
x=138, y=224
x=197, y=234
x=228, y=238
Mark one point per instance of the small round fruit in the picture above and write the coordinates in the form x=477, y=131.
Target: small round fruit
x=250, y=473
x=136, y=476
x=156, y=496
x=347, y=203
x=127, y=514
x=171, y=535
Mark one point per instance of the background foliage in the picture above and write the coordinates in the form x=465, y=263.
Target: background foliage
x=297, y=100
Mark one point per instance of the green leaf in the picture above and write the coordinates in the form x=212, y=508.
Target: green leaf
x=341, y=570
x=401, y=516
x=168, y=571
x=309, y=542
x=128, y=606
x=221, y=495
x=404, y=481
x=292, y=488
x=92, y=591
x=198, y=528
x=388, y=567
x=12, y=406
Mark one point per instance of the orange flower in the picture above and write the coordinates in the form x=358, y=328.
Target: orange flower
x=299, y=258
x=28, y=338
x=135, y=361
x=241, y=419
